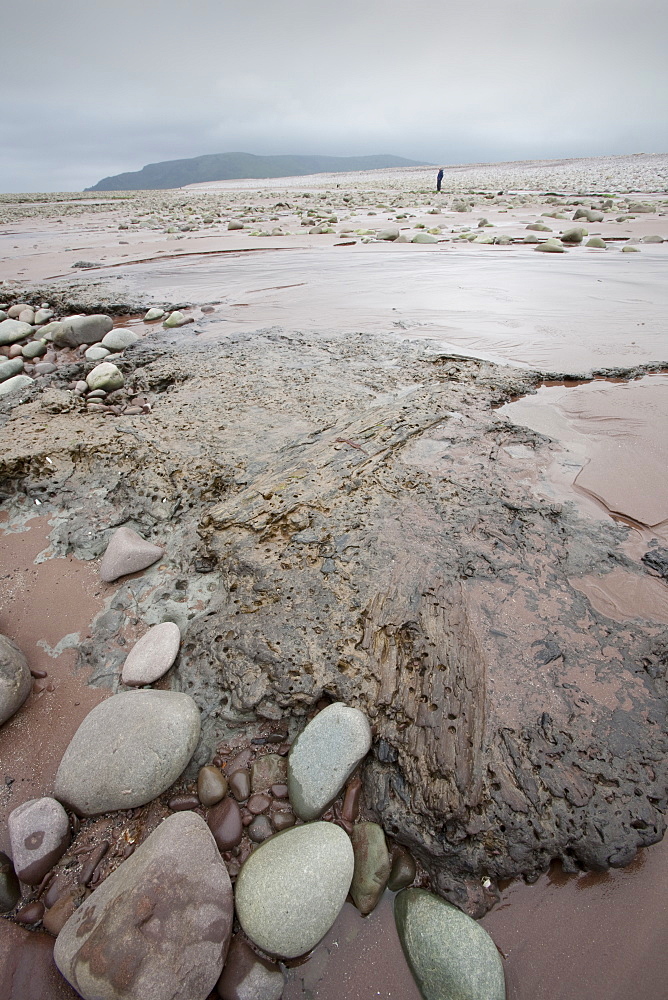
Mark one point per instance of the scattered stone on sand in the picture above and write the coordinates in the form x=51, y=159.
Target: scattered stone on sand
x=105, y=376
x=403, y=870
x=240, y=785
x=15, y=383
x=630, y=249
x=15, y=679
x=225, y=824
x=174, y=319
x=291, y=889
x=324, y=756
x=596, y=243
x=119, y=339
x=96, y=353
x=450, y=956
x=235, y=224
x=157, y=928
x=77, y=330
x=553, y=245
x=247, y=976
x=12, y=330
x=268, y=770
x=372, y=866
x=10, y=890
x=211, y=785
x=35, y=349
x=128, y=750
x=127, y=552
x=10, y=368
x=574, y=235
x=152, y=655
x=153, y=314
x=424, y=238
x=531, y=238
x=390, y=234
x=39, y=832
x=538, y=227
x=653, y=239
x=55, y=918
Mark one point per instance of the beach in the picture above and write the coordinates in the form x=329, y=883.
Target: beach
x=401, y=449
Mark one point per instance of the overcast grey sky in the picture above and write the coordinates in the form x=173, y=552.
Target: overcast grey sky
x=91, y=89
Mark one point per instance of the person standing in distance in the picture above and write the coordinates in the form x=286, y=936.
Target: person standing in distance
x=439, y=179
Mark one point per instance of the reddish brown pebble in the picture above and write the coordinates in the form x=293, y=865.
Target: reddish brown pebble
x=39, y=674
x=224, y=821
x=276, y=738
x=62, y=883
x=240, y=762
x=260, y=829
x=61, y=911
x=258, y=803
x=30, y=914
x=211, y=785
x=403, y=870
x=351, y=801
x=240, y=785
x=89, y=867
x=283, y=750
x=279, y=791
x=179, y=803
x=282, y=820
x=247, y=819
x=218, y=761
x=130, y=849
x=345, y=825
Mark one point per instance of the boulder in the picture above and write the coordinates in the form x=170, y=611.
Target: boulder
x=77, y=330
x=574, y=235
x=389, y=234
x=152, y=655
x=323, y=757
x=128, y=750
x=127, y=552
x=372, y=866
x=119, y=339
x=157, y=928
x=450, y=956
x=247, y=976
x=105, y=376
x=291, y=889
x=15, y=679
x=39, y=832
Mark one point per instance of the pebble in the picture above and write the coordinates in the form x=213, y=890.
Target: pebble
x=17, y=382
x=31, y=913
x=258, y=803
x=153, y=655
x=35, y=349
x=12, y=330
x=127, y=552
x=81, y=387
x=240, y=785
x=15, y=679
x=324, y=756
x=39, y=832
x=27, y=315
x=372, y=866
x=211, y=785
x=247, y=976
x=15, y=311
x=291, y=889
x=10, y=890
x=403, y=870
x=76, y=330
x=43, y=316
x=283, y=819
x=154, y=314
x=9, y=368
x=89, y=866
x=174, y=319
x=96, y=353
x=44, y=368
x=97, y=394
x=55, y=919
x=259, y=829
x=539, y=227
x=181, y=802
x=574, y=235
x=552, y=245
x=449, y=954
x=279, y=791
x=105, y=376
x=158, y=927
x=267, y=771
x=119, y=339
x=351, y=800
x=129, y=749
x=224, y=821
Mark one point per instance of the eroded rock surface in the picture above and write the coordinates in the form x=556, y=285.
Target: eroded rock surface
x=361, y=529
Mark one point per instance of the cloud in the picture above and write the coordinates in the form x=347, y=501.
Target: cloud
x=90, y=91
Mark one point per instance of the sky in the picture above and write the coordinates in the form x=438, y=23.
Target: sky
x=89, y=90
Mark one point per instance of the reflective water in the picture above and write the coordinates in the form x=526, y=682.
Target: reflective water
x=572, y=312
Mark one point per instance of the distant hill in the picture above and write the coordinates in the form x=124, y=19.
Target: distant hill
x=230, y=166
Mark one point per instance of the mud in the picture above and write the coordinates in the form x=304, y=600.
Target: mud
x=370, y=534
